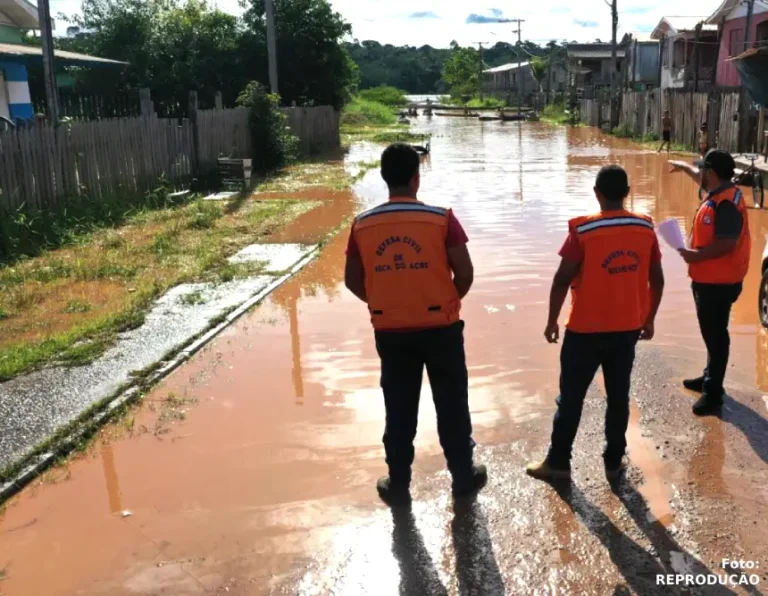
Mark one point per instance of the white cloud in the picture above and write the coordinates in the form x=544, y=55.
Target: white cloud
x=390, y=21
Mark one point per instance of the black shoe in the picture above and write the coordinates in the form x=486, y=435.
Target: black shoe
x=696, y=384
x=707, y=405
x=393, y=493
x=464, y=486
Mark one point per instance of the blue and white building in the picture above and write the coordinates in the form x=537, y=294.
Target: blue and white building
x=17, y=16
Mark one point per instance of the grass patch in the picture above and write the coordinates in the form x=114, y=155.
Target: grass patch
x=384, y=94
x=193, y=299
x=77, y=306
x=555, y=114
x=486, y=102
x=69, y=305
x=364, y=112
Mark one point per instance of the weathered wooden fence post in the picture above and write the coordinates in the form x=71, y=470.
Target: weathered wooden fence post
x=219, y=101
x=192, y=114
x=145, y=103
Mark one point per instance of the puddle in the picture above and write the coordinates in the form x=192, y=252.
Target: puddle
x=268, y=480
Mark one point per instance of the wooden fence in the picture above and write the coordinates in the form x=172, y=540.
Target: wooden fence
x=41, y=166
x=641, y=113
x=317, y=128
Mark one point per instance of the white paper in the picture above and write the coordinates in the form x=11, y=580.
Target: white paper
x=670, y=232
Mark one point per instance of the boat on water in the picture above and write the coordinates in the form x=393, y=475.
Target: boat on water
x=458, y=114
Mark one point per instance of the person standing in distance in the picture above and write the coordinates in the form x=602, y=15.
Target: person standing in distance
x=408, y=261
x=718, y=261
x=611, y=261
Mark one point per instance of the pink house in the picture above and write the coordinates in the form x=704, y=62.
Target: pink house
x=732, y=19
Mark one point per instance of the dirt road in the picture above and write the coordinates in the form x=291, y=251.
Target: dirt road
x=251, y=470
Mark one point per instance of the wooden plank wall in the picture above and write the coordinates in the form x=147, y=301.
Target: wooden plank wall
x=222, y=133
x=41, y=166
x=590, y=112
x=642, y=112
x=317, y=128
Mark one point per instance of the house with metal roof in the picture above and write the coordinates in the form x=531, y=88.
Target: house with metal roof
x=589, y=65
x=641, y=64
x=16, y=17
x=731, y=17
x=688, y=52
x=505, y=80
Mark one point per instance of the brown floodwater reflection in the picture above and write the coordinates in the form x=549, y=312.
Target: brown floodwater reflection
x=264, y=483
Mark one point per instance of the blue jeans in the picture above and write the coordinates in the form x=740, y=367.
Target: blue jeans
x=582, y=354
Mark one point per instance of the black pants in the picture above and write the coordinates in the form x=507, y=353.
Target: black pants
x=403, y=358
x=582, y=354
x=713, y=308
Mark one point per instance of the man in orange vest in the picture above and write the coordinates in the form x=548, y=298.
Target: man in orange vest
x=718, y=261
x=612, y=263
x=408, y=261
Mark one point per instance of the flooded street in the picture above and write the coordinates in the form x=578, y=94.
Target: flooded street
x=252, y=469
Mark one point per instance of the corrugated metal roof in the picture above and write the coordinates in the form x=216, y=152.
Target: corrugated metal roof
x=723, y=11
x=22, y=13
x=680, y=25
x=594, y=54
x=505, y=67
x=14, y=50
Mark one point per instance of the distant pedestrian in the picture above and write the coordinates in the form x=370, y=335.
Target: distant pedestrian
x=718, y=261
x=703, y=139
x=666, y=132
x=409, y=263
x=612, y=263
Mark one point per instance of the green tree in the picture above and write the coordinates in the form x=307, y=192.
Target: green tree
x=313, y=65
x=462, y=71
x=539, y=70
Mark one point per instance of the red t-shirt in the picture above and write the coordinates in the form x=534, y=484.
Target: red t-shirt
x=456, y=236
x=572, y=250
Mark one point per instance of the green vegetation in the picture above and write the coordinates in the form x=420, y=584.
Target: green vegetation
x=116, y=282
x=363, y=112
x=485, y=102
x=650, y=140
x=461, y=72
x=539, y=69
x=389, y=96
x=420, y=69
x=555, y=114
x=173, y=47
x=272, y=145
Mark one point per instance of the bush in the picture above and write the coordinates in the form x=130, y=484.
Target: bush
x=272, y=144
x=363, y=112
x=486, y=102
x=555, y=113
x=623, y=132
x=389, y=96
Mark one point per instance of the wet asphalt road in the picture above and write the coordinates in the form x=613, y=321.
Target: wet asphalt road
x=266, y=484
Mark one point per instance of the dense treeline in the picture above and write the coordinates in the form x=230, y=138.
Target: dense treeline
x=420, y=70
x=174, y=46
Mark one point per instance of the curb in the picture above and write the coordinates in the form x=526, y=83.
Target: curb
x=43, y=461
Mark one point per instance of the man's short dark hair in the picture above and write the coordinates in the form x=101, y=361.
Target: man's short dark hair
x=613, y=183
x=399, y=164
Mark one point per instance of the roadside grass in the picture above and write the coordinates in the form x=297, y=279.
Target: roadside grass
x=68, y=305
x=385, y=94
x=649, y=140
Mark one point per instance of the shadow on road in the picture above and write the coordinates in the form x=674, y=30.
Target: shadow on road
x=476, y=568
x=749, y=422
x=636, y=565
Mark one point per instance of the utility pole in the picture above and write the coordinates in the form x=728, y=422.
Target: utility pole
x=519, y=64
x=49, y=74
x=269, y=7
x=695, y=59
x=614, y=58
x=480, y=74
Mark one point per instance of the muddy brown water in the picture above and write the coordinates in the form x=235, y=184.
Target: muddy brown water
x=264, y=483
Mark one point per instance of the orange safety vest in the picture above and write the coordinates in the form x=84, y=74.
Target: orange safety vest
x=408, y=281
x=730, y=268
x=611, y=292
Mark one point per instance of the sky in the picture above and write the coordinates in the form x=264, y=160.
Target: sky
x=438, y=22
